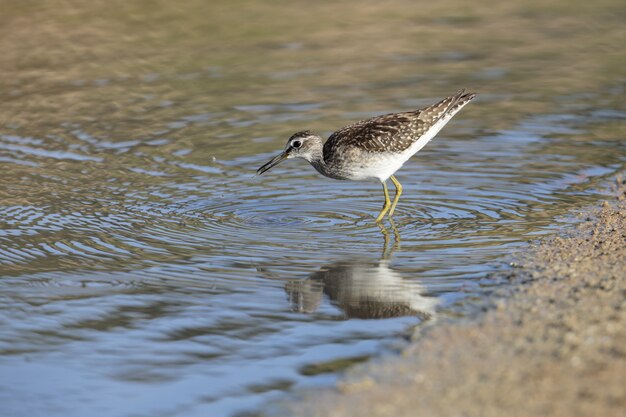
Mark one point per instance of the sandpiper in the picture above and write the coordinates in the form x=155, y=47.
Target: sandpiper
x=373, y=149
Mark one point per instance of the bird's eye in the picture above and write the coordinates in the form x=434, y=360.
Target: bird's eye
x=296, y=144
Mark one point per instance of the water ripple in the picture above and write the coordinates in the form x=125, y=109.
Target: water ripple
x=165, y=260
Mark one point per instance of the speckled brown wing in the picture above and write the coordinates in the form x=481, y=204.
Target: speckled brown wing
x=394, y=132
x=387, y=133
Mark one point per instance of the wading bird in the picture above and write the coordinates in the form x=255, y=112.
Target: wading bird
x=373, y=149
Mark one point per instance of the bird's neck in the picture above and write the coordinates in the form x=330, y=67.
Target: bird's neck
x=317, y=160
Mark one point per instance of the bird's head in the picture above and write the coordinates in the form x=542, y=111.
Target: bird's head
x=305, y=144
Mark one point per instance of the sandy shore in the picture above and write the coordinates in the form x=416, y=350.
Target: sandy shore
x=551, y=344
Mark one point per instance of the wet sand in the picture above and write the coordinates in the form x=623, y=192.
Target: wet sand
x=552, y=343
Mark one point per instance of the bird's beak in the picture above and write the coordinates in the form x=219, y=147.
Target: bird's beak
x=272, y=163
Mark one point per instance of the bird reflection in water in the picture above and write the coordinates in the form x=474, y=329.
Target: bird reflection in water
x=363, y=288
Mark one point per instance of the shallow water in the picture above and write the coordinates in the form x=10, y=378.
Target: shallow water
x=146, y=271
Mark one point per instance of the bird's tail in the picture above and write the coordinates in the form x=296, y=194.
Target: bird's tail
x=457, y=101
x=449, y=106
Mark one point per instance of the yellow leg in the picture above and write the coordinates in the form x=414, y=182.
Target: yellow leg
x=398, y=194
x=386, y=206
x=387, y=252
x=386, y=239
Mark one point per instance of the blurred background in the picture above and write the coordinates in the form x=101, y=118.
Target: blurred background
x=144, y=271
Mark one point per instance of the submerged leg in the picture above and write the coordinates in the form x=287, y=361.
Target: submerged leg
x=386, y=239
x=387, y=252
x=386, y=206
x=398, y=194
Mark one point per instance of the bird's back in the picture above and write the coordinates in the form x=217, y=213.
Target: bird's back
x=392, y=133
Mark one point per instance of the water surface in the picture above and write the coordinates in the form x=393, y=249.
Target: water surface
x=146, y=271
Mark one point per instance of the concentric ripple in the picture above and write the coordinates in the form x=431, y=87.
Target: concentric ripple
x=166, y=269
